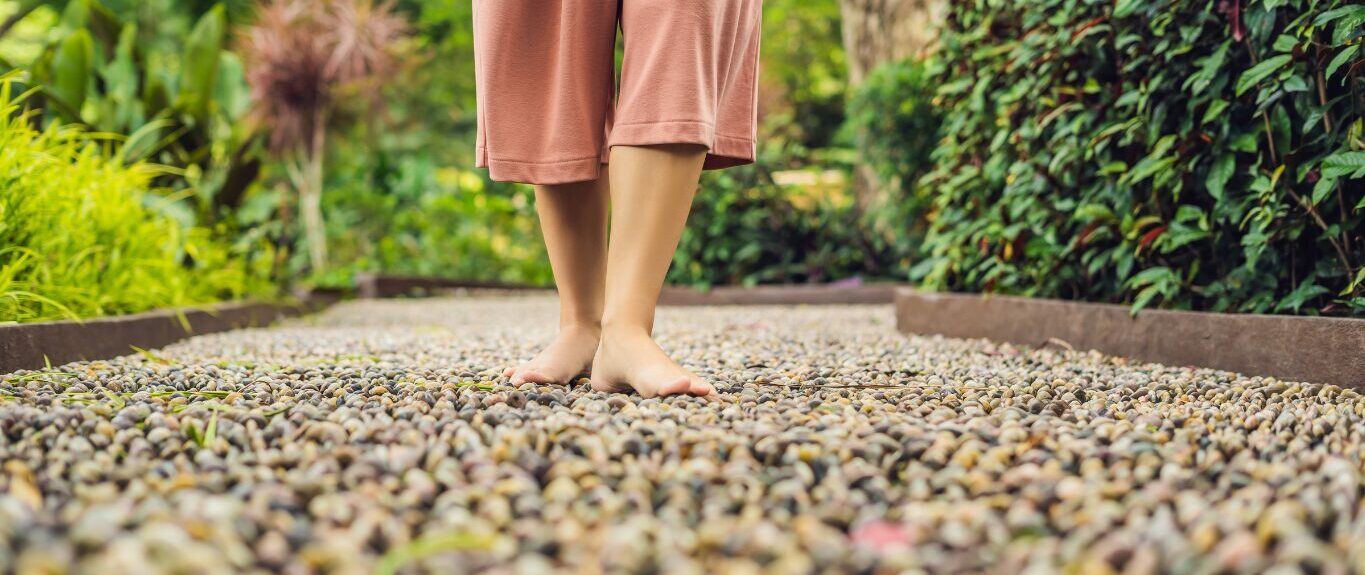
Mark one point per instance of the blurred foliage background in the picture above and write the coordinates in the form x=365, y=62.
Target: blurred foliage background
x=1173, y=154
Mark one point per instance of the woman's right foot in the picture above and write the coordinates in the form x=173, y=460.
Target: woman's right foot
x=632, y=361
x=569, y=356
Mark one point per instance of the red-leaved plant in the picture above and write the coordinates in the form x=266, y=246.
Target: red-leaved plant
x=303, y=58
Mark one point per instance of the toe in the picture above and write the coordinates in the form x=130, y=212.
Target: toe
x=509, y=372
x=676, y=387
x=535, y=375
x=700, y=388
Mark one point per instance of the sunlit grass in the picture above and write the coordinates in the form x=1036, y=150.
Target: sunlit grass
x=80, y=234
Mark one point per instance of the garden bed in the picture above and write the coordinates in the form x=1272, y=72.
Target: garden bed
x=33, y=345
x=1313, y=349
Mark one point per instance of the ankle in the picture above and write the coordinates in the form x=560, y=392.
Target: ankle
x=581, y=329
x=624, y=330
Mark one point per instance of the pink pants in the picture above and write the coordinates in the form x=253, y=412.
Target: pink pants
x=545, y=72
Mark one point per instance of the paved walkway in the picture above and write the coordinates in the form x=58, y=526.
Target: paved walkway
x=379, y=436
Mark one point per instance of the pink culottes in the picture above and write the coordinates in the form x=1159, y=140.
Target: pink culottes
x=548, y=107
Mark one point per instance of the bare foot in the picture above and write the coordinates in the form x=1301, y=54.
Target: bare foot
x=567, y=357
x=627, y=361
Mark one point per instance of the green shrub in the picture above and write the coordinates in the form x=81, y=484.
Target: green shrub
x=894, y=125
x=401, y=214
x=894, y=122
x=746, y=230
x=1203, y=155
x=80, y=236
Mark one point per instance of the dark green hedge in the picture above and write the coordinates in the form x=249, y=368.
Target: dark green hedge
x=745, y=229
x=1189, y=154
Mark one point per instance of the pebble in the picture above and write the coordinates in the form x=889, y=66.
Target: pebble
x=381, y=434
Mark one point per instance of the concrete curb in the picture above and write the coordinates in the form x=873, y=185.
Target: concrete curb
x=827, y=294
x=372, y=286
x=380, y=286
x=30, y=346
x=1298, y=348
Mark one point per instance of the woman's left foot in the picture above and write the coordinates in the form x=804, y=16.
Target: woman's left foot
x=632, y=361
x=564, y=360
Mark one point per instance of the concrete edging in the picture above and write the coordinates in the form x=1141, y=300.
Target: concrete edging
x=372, y=286
x=31, y=345
x=1298, y=348
x=820, y=294
x=379, y=286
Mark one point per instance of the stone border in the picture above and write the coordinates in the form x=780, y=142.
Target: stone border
x=1297, y=348
x=371, y=286
x=820, y=294
x=25, y=346
x=380, y=286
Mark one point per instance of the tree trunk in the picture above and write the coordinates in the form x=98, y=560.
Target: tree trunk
x=310, y=211
x=880, y=31
x=305, y=171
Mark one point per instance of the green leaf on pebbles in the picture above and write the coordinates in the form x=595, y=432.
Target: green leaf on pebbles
x=150, y=356
x=429, y=546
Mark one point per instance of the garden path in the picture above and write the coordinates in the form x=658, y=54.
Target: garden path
x=378, y=435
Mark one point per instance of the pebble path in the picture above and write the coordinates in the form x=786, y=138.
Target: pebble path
x=380, y=437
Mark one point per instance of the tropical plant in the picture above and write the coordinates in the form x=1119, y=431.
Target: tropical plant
x=94, y=73
x=82, y=236
x=1204, y=155
x=305, y=59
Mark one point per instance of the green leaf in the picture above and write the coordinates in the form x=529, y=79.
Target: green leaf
x=1152, y=276
x=1349, y=12
x=1344, y=164
x=230, y=90
x=1113, y=168
x=1348, y=22
x=121, y=84
x=75, y=15
x=1144, y=298
x=211, y=435
x=143, y=142
x=71, y=70
x=1094, y=212
x=1208, y=69
x=1124, y=8
x=1340, y=60
x=1216, y=108
x=1358, y=281
x=1260, y=71
x=1307, y=291
x=1323, y=189
x=200, y=62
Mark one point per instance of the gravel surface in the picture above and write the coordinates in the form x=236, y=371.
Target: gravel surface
x=380, y=436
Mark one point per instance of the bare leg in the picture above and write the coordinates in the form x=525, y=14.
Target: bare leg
x=651, y=195
x=573, y=218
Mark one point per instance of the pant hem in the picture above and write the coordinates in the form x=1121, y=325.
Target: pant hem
x=540, y=173
x=722, y=151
